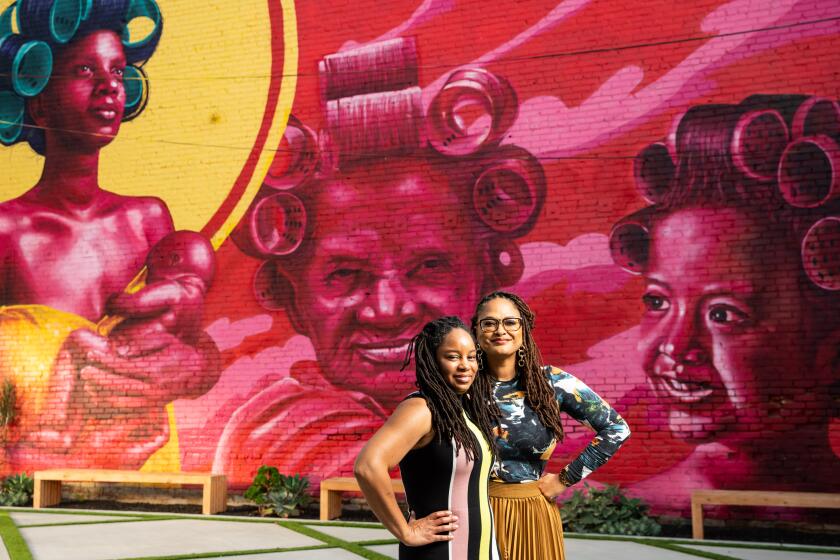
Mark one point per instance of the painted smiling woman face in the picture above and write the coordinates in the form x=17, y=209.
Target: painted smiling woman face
x=727, y=333
x=380, y=267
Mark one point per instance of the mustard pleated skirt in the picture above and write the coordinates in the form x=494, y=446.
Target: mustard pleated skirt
x=528, y=525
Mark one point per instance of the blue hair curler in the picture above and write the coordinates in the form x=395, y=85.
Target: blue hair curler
x=24, y=65
x=136, y=91
x=12, y=108
x=52, y=21
x=86, y=6
x=137, y=50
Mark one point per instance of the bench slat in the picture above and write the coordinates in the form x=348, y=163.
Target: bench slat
x=349, y=484
x=765, y=498
x=48, y=484
x=105, y=475
x=699, y=498
x=331, y=489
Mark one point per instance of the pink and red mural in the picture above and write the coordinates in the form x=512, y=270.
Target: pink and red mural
x=232, y=278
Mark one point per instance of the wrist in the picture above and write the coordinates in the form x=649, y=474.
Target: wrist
x=562, y=477
x=402, y=530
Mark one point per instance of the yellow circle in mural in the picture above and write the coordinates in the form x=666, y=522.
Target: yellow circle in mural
x=209, y=85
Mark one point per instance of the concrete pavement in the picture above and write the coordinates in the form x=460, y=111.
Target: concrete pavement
x=85, y=535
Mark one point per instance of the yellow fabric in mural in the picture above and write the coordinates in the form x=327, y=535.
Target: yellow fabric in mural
x=168, y=457
x=30, y=338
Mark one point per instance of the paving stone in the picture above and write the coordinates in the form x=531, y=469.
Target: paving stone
x=37, y=518
x=354, y=534
x=323, y=554
x=756, y=554
x=589, y=549
x=110, y=541
x=390, y=550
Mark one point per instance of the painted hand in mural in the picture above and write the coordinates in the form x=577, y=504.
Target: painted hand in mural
x=158, y=353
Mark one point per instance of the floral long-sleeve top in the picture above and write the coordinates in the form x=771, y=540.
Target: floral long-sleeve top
x=526, y=445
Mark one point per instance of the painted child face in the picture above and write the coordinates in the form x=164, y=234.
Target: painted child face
x=725, y=335
x=456, y=360
x=84, y=101
x=385, y=261
x=500, y=342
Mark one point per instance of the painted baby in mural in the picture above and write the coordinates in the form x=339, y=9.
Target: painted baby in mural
x=399, y=219
x=92, y=394
x=740, y=253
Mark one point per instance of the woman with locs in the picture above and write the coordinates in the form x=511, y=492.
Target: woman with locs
x=441, y=437
x=531, y=397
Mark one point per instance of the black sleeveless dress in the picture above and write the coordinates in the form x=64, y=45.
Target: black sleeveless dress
x=436, y=478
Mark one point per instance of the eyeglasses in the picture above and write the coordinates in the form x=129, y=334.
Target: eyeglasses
x=510, y=324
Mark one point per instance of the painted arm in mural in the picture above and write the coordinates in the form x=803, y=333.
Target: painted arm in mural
x=107, y=394
x=162, y=321
x=584, y=405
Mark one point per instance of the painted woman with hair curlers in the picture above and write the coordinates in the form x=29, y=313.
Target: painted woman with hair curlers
x=530, y=397
x=359, y=279
x=69, y=249
x=741, y=325
x=441, y=438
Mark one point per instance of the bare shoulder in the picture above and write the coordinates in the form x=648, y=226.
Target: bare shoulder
x=151, y=210
x=152, y=207
x=413, y=410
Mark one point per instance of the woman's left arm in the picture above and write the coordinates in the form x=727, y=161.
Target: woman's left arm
x=584, y=405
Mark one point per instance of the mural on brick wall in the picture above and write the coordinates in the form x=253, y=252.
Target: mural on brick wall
x=101, y=300
x=663, y=195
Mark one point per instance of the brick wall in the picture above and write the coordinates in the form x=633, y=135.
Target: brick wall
x=658, y=181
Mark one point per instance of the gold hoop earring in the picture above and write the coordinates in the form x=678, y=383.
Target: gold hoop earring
x=521, y=354
x=478, y=359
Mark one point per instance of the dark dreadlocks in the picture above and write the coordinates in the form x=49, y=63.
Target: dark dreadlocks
x=538, y=392
x=445, y=404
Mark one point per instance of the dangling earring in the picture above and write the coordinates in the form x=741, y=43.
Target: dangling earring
x=478, y=359
x=521, y=354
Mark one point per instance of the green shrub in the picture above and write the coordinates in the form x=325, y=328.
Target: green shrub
x=278, y=494
x=290, y=497
x=16, y=490
x=8, y=406
x=607, y=511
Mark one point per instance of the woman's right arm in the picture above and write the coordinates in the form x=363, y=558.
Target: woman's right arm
x=410, y=423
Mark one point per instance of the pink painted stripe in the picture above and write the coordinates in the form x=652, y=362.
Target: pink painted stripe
x=459, y=503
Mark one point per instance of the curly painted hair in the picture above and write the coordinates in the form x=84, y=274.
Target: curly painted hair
x=49, y=26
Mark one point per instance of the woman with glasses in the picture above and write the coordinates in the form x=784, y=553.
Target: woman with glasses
x=530, y=397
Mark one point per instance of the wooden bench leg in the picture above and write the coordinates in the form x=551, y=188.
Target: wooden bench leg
x=214, y=497
x=220, y=496
x=696, y=520
x=330, y=504
x=47, y=493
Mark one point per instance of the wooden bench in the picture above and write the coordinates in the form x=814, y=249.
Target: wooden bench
x=48, y=484
x=331, y=489
x=699, y=498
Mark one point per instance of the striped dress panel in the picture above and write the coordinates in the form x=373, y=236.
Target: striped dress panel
x=436, y=478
